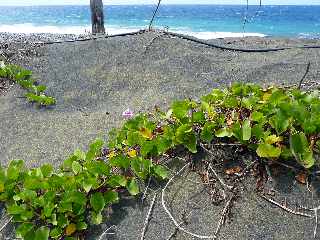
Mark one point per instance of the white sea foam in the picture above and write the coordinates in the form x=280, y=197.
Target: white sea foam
x=28, y=28
x=214, y=35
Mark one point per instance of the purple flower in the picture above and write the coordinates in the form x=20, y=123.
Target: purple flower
x=127, y=113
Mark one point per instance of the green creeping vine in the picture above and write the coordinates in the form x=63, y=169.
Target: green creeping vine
x=60, y=204
x=23, y=78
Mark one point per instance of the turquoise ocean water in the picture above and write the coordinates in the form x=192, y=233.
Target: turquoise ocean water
x=203, y=21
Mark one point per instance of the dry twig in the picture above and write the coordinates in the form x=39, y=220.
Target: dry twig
x=147, y=220
x=223, y=216
x=176, y=229
x=145, y=191
x=146, y=48
x=227, y=144
x=224, y=185
x=285, y=208
x=173, y=234
x=4, y=226
x=169, y=213
x=315, y=210
x=316, y=222
x=106, y=232
x=206, y=149
x=247, y=169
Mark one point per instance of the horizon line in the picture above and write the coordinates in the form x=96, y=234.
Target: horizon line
x=178, y=4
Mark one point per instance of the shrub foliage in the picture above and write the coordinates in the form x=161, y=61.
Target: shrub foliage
x=61, y=204
x=23, y=77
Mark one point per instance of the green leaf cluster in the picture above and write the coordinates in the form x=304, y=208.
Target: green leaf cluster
x=61, y=204
x=23, y=77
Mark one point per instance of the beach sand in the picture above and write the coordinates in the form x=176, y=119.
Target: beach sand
x=95, y=81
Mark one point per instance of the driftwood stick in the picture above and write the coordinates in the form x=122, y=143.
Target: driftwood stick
x=147, y=220
x=169, y=213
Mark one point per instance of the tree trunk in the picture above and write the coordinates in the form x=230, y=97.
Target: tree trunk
x=97, y=16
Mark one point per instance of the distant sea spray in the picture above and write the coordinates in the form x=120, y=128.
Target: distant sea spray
x=201, y=21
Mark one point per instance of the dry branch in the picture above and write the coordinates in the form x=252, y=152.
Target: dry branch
x=173, y=234
x=4, y=226
x=146, y=190
x=147, y=220
x=224, y=185
x=169, y=213
x=147, y=47
x=316, y=222
x=223, y=216
x=106, y=232
x=176, y=229
x=315, y=211
x=285, y=208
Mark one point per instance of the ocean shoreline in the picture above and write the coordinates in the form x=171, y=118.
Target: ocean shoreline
x=38, y=38
x=19, y=48
x=204, y=22
x=86, y=30
x=43, y=37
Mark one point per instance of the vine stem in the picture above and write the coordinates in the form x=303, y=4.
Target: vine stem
x=146, y=222
x=224, y=185
x=146, y=190
x=315, y=211
x=223, y=215
x=169, y=213
x=285, y=208
x=4, y=226
x=106, y=232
